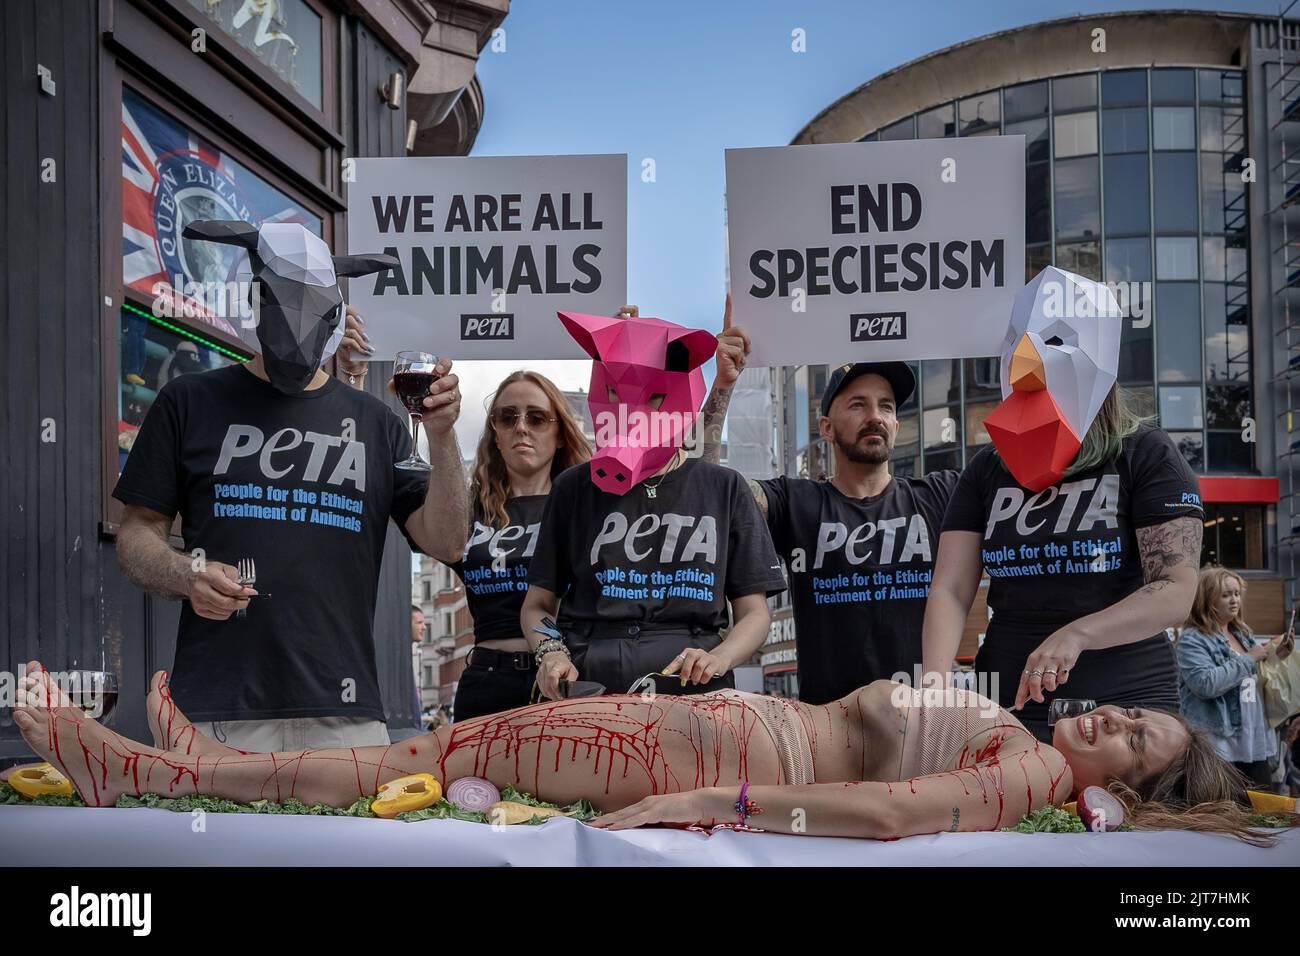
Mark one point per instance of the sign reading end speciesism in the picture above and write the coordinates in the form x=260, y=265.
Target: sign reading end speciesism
x=898, y=250
x=490, y=249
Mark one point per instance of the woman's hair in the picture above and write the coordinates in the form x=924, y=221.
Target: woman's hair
x=1116, y=420
x=1199, y=791
x=1209, y=588
x=490, y=485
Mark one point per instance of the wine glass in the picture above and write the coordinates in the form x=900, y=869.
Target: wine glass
x=94, y=693
x=413, y=376
x=1063, y=708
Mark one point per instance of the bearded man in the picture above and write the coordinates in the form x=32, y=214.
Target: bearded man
x=860, y=547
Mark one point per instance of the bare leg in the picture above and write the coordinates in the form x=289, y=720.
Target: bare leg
x=612, y=751
x=171, y=729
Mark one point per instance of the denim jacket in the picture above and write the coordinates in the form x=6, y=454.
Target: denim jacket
x=1210, y=675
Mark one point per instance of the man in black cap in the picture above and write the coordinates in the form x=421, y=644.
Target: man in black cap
x=859, y=547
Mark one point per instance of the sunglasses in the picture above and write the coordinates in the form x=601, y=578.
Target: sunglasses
x=509, y=418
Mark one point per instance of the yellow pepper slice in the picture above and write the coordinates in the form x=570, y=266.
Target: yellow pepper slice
x=1271, y=802
x=415, y=792
x=38, y=779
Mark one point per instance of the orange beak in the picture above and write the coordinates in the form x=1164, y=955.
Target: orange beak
x=1027, y=372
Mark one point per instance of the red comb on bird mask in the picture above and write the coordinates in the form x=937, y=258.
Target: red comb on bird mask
x=646, y=391
x=1060, y=359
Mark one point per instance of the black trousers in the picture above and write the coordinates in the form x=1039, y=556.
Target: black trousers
x=1142, y=674
x=619, y=655
x=492, y=682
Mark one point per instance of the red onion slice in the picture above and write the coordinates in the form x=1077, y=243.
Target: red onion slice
x=1100, y=810
x=473, y=794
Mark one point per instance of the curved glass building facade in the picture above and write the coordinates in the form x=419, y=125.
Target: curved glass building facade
x=1134, y=176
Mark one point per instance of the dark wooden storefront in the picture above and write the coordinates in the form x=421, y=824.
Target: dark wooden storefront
x=63, y=599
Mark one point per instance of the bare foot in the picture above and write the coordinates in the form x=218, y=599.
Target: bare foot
x=171, y=729
x=101, y=764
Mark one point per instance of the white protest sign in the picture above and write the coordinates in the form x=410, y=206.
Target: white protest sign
x=490, y=248
x=876, y=251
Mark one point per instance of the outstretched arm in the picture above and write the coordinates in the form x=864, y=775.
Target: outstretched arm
x=995, y=792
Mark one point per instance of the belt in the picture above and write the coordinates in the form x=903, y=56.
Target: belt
x=601, y=630
x=502, y=660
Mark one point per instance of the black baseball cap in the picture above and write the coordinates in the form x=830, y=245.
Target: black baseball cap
x=898, y=374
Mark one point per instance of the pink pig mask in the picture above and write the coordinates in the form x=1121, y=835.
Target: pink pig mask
x=646, y=390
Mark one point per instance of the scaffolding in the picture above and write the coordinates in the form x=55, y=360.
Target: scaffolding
x=1284, y=203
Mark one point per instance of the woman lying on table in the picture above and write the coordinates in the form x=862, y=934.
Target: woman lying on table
x=886, y=761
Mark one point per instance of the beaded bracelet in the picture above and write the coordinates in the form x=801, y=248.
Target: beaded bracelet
x=745, y=807
x=550, y=647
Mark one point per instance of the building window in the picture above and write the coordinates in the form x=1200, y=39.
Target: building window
x=1024, y=101
x=1078, y=199
x=1176, y=258
x=937, y=123
x=1175, y=189
x=1173, y=127
x=284, y=35
x=980, y=115
x=1178, y=332
x=1235, y=536
x=171, y=176
x=1124, y=88
x=155, y=351
x=1074, y=93
x=1124, y=131
x=186, y=301
x=1076, y=134
x=1128, y=197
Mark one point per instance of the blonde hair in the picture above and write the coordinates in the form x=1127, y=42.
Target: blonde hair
x=1199, y=791
x=1116, y=420
x=490, y=487
x=1204, y=617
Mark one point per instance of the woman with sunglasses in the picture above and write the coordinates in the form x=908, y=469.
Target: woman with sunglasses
x=531, y=436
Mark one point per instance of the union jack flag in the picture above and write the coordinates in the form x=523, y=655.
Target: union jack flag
x=172, y=176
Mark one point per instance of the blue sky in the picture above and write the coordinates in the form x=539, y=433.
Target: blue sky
x=679, y=82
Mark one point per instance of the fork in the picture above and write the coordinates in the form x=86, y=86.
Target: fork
x=247, y=568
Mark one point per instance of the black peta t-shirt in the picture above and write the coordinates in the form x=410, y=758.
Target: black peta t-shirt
x=495, y=566
x=1070, y=550
x=304, y=485
x=859, y=576
x=670, y=560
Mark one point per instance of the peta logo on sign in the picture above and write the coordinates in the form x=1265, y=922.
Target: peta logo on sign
x=491, y=325
x=877, y=326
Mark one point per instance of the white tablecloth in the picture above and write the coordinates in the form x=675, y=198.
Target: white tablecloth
x=58, y=836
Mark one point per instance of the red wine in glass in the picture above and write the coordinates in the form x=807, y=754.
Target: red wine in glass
x=413, y=389
x=94, y=693
x=413, y=375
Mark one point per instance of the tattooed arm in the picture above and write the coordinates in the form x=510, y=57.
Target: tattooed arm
x=1171, y=555
x=733, y=346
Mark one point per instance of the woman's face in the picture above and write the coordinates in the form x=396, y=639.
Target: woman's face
x=1228, y=606
x=1114, y=743
x=526, y=448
